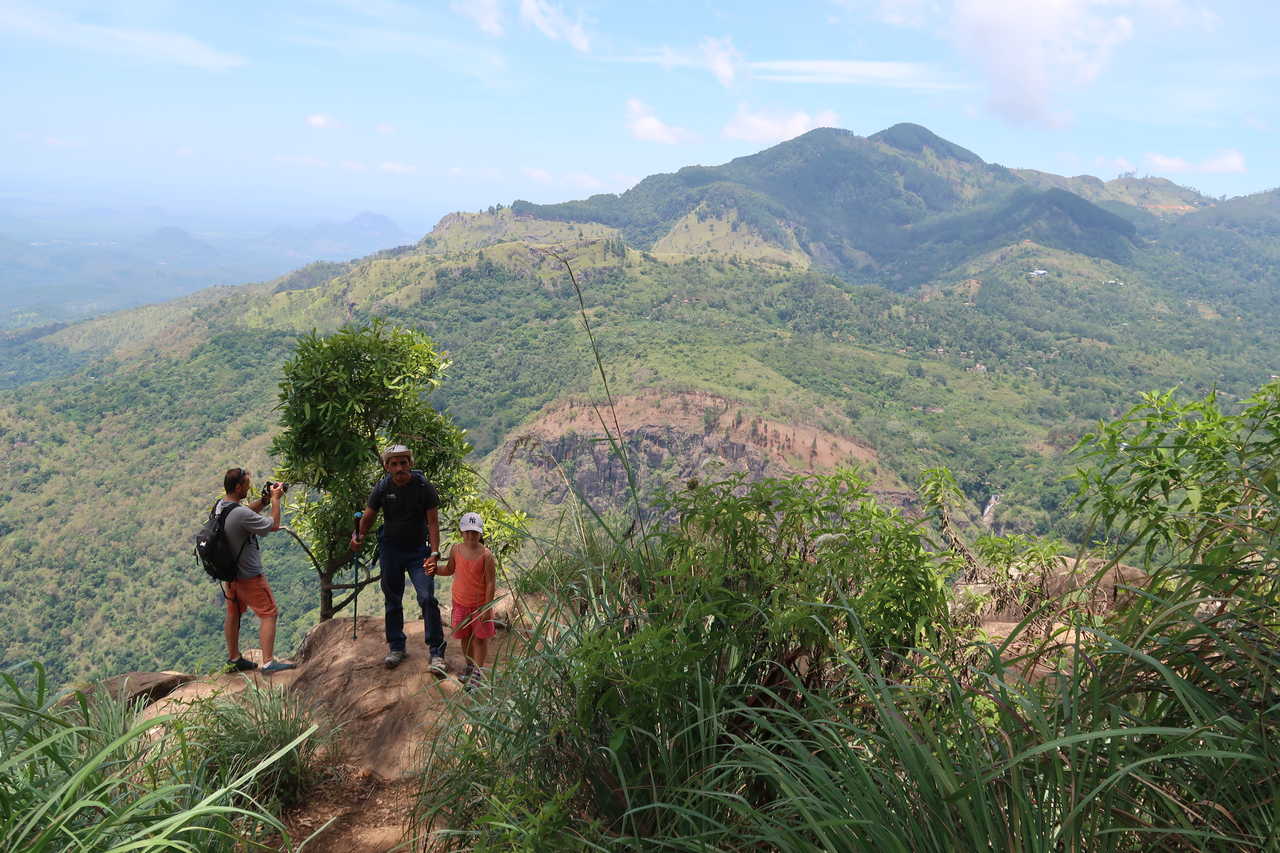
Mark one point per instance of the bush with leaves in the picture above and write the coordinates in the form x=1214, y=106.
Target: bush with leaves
x=749, y=585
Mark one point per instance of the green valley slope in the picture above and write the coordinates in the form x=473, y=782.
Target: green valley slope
x=738, y=336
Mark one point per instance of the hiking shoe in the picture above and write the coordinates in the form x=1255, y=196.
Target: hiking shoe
x=278, y=666
x=394, y=658
x=239, y=665
x=438, y=666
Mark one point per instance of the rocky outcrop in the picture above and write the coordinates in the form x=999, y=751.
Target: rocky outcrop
x=668, y=439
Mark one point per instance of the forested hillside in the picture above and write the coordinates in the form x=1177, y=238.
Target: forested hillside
x=892, y=302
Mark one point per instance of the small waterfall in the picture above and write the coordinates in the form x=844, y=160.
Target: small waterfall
x=989, y=513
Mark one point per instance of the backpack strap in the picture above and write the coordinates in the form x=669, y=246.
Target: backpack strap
x=222, y=522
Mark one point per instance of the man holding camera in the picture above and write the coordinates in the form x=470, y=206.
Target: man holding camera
x=250, y=589
x=410, y=544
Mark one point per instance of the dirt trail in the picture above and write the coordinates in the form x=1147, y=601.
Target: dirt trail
x=386, y=718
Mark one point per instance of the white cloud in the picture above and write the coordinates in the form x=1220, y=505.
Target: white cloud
x=486, y=14
x=302, y=160
x=644, y=125
x=184, y=151
x=1029, y=51
x=1229, y=160
x=394, y=168
x=485, y=173
x=584, y=181
x=384, y=128
x=553, y=23
x=322, y=120
x=767, y=127
x=721, y=58
x=148, y=45
x=716, y=55
x=354, y=166
x=1114, y=164
x=457, y=57
x=727, y=64
x=901, y=75
x=907, y=13
x=1169, y=164
x=542, y=176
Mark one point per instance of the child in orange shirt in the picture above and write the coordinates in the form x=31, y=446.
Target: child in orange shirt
x=473, y=591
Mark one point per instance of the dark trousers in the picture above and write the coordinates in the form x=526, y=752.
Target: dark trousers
x=396, y=563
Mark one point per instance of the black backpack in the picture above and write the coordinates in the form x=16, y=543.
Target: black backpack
x=213, y=549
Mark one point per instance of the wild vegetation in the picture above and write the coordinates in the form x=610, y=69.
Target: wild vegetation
x=781, y=664
x=114, y=432
x=94, y=774
x=775, y=669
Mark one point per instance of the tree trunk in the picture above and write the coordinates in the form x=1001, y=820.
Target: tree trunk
x=326, y=596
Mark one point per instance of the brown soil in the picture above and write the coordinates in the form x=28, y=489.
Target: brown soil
x=384, y=717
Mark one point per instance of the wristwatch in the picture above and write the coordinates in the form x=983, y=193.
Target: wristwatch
x=435, y=554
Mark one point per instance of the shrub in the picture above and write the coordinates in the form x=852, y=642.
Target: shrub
x=232, y=733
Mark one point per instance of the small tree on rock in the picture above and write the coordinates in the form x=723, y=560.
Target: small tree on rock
x=343, y=398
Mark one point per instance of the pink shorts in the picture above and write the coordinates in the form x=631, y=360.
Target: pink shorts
x=467, y=624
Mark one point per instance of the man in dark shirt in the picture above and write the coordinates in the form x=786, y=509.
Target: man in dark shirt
x=410, y=543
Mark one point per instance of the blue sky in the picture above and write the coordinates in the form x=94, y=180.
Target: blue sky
x=292, y=111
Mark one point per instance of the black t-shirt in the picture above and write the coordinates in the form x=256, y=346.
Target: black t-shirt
x=404, y=509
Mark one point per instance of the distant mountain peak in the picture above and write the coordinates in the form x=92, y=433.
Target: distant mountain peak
x=914, y=139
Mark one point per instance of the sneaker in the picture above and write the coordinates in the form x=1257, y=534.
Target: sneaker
x=438, y=666
x=239, y=665
x=394, y=658
x=278, y=666
x=474, y=679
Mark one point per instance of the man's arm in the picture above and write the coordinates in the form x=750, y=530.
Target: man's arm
x=277, y=494
x=433, y=532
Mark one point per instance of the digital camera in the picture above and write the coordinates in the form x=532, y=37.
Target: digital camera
x=266, y=490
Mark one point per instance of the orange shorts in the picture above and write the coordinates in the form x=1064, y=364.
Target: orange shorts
x=466, y=623
x=254, y=592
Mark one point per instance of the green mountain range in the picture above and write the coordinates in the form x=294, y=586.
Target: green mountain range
x=892, y=302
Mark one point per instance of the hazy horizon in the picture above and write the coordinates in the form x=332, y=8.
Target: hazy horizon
x=245, y=118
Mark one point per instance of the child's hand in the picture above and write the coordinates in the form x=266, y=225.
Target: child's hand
x=429, y=565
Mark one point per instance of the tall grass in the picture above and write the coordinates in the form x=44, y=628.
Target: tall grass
x=91, y=775
x=746, y=681
x=232, y=733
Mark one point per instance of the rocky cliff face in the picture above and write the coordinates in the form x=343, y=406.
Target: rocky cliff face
x=668, y=440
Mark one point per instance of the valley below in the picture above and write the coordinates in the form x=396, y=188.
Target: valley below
x=889, y=303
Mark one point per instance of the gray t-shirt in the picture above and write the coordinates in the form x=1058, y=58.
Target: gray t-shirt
x=245, y=524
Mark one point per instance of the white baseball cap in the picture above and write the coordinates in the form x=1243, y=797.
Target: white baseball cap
x=471, y=521
x=397, y=450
